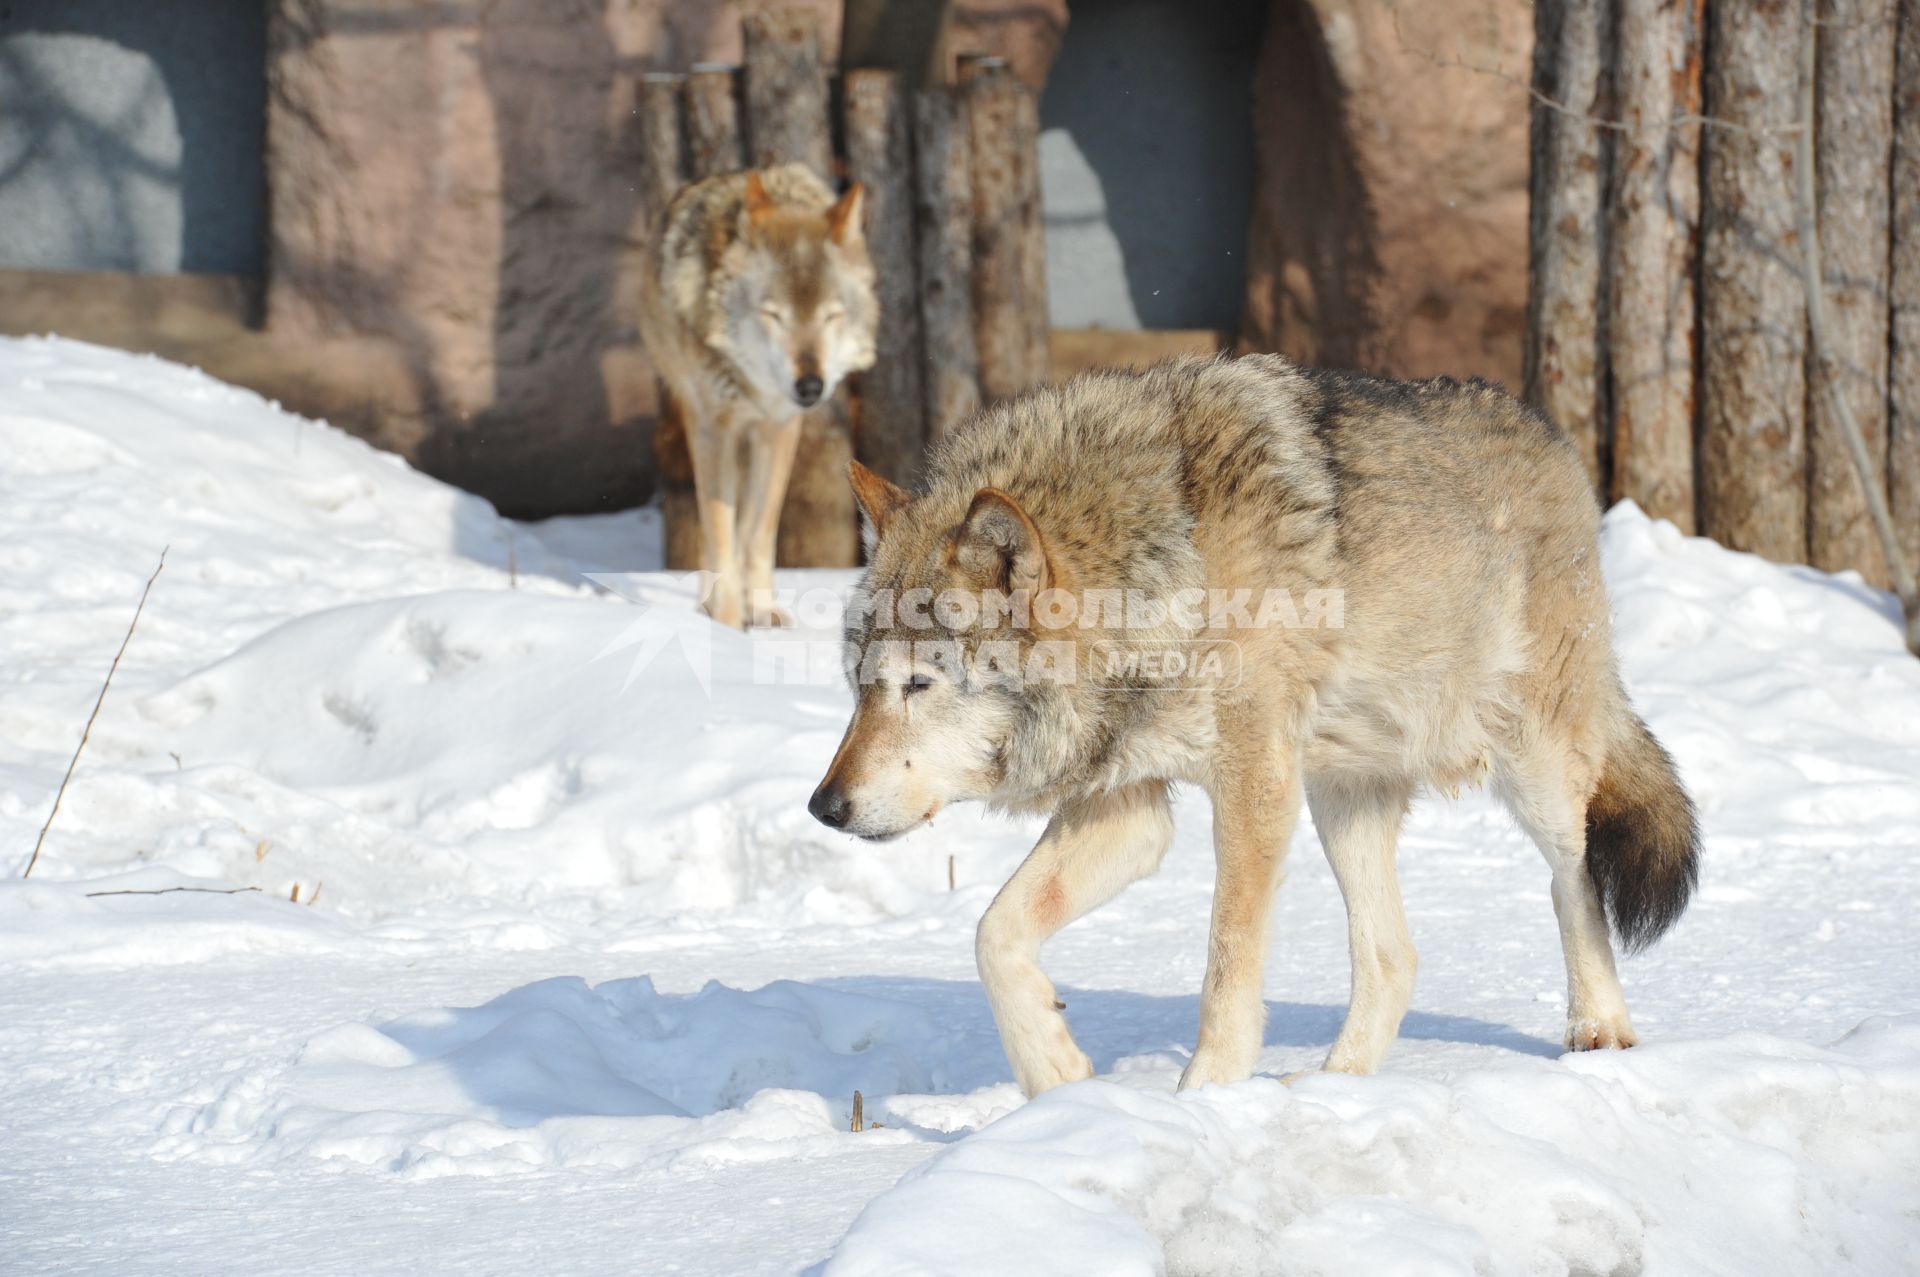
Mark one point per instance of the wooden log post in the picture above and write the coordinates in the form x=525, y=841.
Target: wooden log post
x=1652, y=250
x=1033, y=235
x=892, y=435
x=786, y=123
x=663, y=171
x=1753, y=322
x=786, y=91
x=1903, y=399
x=714, y=144
x=1854, y=143
x=996, y=121
x=662, y=144
x=943, y=211
x=1565, y=363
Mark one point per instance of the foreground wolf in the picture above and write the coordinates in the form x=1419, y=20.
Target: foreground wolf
x=1455, y=528
x=756, y=299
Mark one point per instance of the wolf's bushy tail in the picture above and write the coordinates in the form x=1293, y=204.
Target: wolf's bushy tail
x=1643, y=842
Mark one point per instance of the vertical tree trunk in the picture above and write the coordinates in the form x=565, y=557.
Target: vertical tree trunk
x=663, y=153
x=1565, y=369
x=1033, y=235
x=714, y=143
x=943, y=209
x=880, y=156
x=1903, y=445
x=1855, y=145
x=995, y=117
x=663, y=172
x=1753, y=462
x=786, y=91
x=786, y=98
x=1653, y=242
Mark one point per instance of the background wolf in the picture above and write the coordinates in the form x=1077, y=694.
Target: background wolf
x=756, y=299
x=1475, y=644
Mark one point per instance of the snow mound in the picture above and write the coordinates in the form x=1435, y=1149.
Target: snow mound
x=354, y=677
x=1745, y=1154
x=560, y=1073
x=1763, y=681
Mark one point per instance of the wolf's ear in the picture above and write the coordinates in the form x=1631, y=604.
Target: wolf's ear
x=755, y=208
x=1000, y=547
x=843, y=219
x=879, y=499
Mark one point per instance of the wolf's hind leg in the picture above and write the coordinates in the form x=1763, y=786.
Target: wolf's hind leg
x=1359, y=825
x=1540, y=791
x=769, y=467
x=1090, y=851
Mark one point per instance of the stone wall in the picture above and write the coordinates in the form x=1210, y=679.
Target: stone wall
x=1390, y=206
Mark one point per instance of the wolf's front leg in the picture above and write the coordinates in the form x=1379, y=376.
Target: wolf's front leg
x=1091, y=850
x=715, y=451
x=1256, y=800
x=769, y=467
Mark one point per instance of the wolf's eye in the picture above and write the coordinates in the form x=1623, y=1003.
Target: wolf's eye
x=918, y=683
x=774, y=315
x=833, y=314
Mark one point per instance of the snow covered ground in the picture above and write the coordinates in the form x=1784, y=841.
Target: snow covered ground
x=573, y=984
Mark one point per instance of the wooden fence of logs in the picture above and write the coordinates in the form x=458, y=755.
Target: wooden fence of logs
x=953, y=224
x=1668, y=317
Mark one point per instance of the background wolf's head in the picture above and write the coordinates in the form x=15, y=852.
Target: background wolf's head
x=797, y=311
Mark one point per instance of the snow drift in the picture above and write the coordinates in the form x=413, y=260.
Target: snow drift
x=1741, y=1155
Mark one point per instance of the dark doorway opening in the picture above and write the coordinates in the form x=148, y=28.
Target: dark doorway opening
x=1146, y=160
x=132, y=135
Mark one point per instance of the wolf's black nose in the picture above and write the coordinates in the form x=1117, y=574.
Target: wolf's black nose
x=830, y=807
x=807, y=390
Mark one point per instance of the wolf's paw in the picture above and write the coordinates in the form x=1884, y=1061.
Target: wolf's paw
x=1060, y=1068
x=771, y=617
x=1598, y=1033
x=1208, y=1066
x=724, y=603
x=723, y=614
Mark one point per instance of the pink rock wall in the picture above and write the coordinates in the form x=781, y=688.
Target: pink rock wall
x=1390, y=210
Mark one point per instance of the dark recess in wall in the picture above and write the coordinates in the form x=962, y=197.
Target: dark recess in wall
x=211, y=60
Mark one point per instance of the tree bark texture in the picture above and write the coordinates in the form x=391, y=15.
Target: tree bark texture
x=1753, y=440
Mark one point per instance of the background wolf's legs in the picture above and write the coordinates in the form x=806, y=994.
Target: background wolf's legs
x=1538, y=792
x=1089, y=852
x=1359, y=827
x=770, y=452
x=1254, y=810
x=715, y=450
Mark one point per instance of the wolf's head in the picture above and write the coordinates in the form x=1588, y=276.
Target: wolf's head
x=941, y=645
x=797, y=309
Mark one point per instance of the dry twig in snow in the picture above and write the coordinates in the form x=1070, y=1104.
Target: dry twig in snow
x=87, y=731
